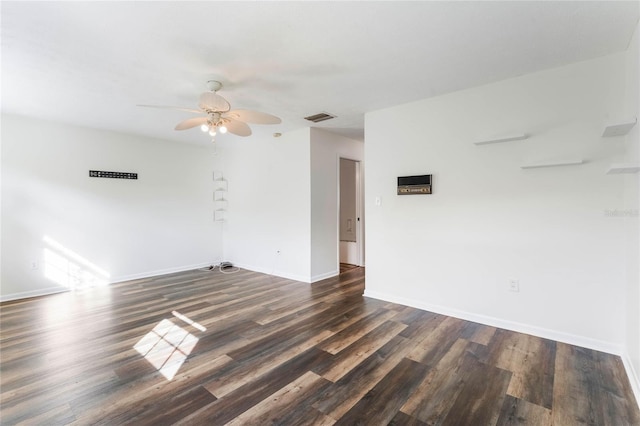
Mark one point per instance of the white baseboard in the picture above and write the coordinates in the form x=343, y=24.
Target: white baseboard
x=54, y=290
x=150, y=274
x=324, y=276
x=33, y=293
x=294, y=277
x=572, y=339
x=634, y=378
x=288, y=276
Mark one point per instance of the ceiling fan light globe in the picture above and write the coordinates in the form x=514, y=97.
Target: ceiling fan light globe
x=222, y=129
x=212, y=132
x=204, y=128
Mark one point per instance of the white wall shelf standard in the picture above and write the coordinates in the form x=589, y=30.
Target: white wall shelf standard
x=219, y=215
x=220, y=184
x=507, y=138
x=552, y=164
x=219, y=197
x=622, y=168
x=619, y=129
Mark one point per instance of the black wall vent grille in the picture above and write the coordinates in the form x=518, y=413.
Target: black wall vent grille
x=112, y=175
x=316, y=118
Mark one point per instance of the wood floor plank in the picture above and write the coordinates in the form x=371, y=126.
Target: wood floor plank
x=519, y=412
x=300, y=318
x=531, y=360
x=129, y=399
x=62, y=414
x=435, y=395
x=203, y=347
x=479, y=400
x=348, y=359
x=46, y=395
x=306, y=416
x=402, y=419
x=381, y=403
x=584, y=392
x=410, y=316
x=241, y=373
x=615, y=386
x=273, y=315
x=432, y=347
x=355, y=331
x=243, y=398
x=483, y=335
x=167, y=410
x=281, y=404
x=575, y=394
x=347, y=391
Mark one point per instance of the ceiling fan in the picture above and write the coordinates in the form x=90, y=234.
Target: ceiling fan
x=218, y=115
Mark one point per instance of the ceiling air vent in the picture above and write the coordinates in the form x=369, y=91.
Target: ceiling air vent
x=316, y=118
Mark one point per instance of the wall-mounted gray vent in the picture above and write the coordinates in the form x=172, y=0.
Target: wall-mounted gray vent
x=316, y=118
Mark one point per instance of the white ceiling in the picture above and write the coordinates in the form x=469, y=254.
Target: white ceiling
x=90, y=63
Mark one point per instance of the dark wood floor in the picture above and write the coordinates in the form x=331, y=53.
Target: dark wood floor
x=344, y=267
x=209, y=348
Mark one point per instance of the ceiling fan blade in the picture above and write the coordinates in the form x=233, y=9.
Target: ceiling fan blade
x=172, y=107
x=212, y=102
x=254, y=117
x=237, y=127
x=191, y=122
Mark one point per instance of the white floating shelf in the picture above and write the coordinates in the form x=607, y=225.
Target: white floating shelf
x=619, y=129
x=552, y=164
x=620, y=168
x=509, y=138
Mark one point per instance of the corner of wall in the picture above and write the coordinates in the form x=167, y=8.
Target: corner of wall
x=268, y=225
x=631, y=355
x=634, y=377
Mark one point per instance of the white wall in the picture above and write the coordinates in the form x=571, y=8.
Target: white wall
x=632, y=206
x=326, y=150
x=489, y=221
x=269, y=203
x=96, y=229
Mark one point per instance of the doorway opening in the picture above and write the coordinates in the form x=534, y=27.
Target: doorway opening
x=350, y=220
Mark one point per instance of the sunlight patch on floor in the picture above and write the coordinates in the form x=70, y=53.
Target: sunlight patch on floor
x=188, y=320
x=166, y=347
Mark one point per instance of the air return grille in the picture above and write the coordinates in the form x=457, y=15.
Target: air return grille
x=316, y=118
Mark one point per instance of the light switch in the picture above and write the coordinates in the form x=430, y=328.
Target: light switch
x=378, y=201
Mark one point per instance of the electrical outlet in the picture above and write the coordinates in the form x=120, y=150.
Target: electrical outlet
x=514, y=285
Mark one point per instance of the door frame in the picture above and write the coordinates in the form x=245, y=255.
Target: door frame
x=359, y=212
